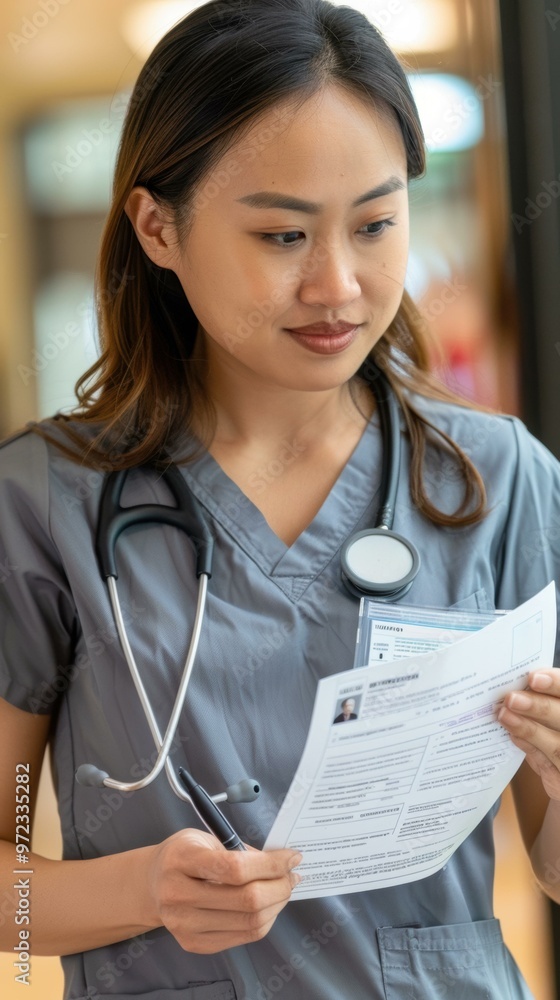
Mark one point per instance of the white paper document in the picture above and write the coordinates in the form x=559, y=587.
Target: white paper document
x=386, y=797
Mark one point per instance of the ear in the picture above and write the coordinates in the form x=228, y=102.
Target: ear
x=154, y=229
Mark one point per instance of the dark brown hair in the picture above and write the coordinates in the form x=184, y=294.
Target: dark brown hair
x=203, y=88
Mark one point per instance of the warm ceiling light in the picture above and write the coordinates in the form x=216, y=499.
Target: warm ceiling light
x=408, y=25
x=145, y=23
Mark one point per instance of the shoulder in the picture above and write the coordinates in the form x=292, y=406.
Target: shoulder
x=32, y=467
x=17, y=444
x=462, y=423
x=521, y=476
x=494, y=439
x=45, y=438
x=23, y=464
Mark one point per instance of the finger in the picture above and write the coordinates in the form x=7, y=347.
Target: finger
x=207, y=931
x=211, y=942
x=236, y=867
x=546, y=680
x=528, y=704
x=537, y=735
x=248, y=898
x=547, y=771
x=536, y=758
x=208, y=920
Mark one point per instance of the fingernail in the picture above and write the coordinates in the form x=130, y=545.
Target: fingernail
x=519, y=700
x=296, y=860
x=295, y=878
x=541, y=681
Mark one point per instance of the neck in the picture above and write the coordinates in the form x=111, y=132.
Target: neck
x=255, y=415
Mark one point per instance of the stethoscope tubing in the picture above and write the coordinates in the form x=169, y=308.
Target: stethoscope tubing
x=188, y=517
x=165, y=743
x=391, y=437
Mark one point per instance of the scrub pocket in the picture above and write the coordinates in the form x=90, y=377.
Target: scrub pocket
x=452, y=962
x=474, y=602
x=224, y=990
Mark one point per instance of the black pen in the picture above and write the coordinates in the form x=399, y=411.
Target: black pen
x=209, y=813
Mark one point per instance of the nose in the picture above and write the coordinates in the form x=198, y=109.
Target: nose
x=329, y=277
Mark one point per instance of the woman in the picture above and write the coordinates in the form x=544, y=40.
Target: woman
x=261, y=188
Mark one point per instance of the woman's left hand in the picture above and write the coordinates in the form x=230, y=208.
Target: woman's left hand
x=532, y=718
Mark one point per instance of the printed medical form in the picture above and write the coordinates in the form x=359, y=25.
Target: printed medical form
x=388, y=794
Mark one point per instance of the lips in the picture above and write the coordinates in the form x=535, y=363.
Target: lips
x=325, y=343
x=324, y=329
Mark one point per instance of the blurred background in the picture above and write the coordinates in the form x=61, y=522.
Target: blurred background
x=484, y=264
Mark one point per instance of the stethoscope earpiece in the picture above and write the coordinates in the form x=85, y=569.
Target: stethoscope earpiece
x=91, y=776
x=246, y=790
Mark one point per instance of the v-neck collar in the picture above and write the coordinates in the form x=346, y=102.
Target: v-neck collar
x=292, y=567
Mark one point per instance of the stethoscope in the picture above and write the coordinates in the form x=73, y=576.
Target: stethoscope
x=377, y=563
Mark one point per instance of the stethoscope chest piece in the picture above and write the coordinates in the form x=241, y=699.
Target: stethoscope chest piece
x=379, y=563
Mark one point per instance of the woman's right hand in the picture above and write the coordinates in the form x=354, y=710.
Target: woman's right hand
x=211, y=899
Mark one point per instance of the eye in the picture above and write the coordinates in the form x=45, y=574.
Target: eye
x=379, y=228
x=273, y=237
x=382, y=227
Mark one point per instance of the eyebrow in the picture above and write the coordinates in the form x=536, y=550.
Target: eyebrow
x=271, y=199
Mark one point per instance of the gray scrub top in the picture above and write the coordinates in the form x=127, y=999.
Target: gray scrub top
x=278, y=620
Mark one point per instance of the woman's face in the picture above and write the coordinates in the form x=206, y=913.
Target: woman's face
x=252, y=273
